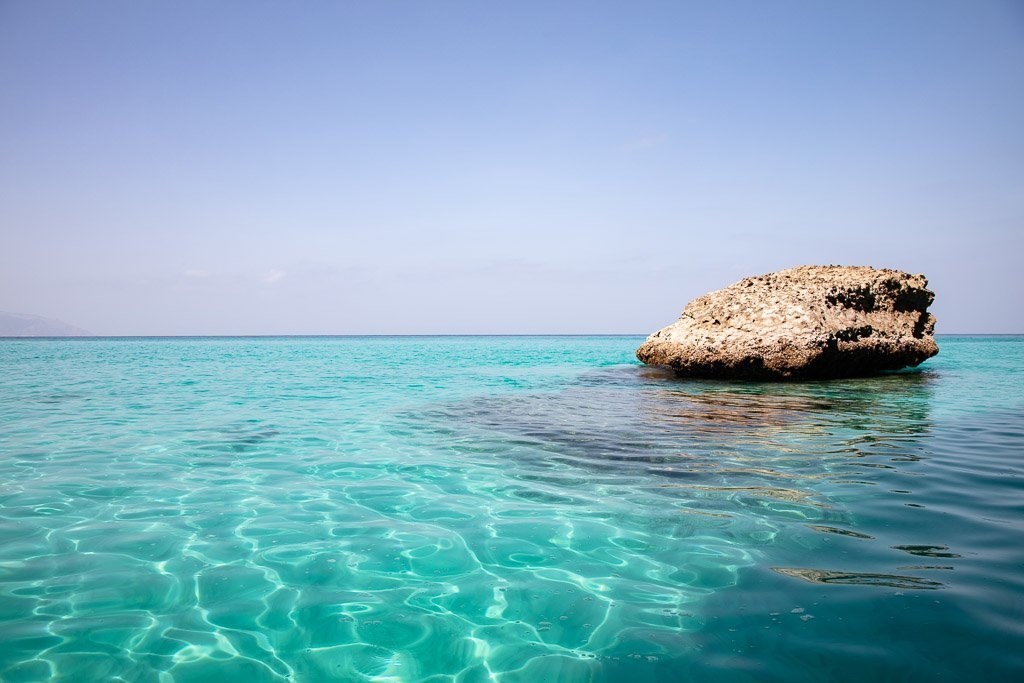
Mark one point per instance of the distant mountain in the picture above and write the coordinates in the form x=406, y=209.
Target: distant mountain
x=23, y=325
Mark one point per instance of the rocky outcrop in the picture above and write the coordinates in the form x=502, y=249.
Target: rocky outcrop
x=810, y=322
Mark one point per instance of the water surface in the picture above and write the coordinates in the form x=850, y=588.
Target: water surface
x=460, y=509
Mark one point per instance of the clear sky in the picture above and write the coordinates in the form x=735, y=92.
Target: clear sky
x=515, y=167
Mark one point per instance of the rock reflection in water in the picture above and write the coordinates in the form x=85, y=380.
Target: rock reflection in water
x=891, y=405
x=766, y=455
x=861, y=579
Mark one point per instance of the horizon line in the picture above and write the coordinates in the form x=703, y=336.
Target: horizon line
x=386, y=335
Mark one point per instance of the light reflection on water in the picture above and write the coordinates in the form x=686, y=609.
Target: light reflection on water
x=509, y=508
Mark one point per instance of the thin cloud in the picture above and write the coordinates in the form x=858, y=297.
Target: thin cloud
x=274, y=276
x=645, y=143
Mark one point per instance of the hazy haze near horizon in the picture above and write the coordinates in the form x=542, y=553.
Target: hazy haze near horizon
x=274, y=168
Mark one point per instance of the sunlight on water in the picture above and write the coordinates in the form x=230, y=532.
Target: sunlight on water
x=510, y=509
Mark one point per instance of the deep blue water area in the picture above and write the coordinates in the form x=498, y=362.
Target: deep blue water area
x=535, y=509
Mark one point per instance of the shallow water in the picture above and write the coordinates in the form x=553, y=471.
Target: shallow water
x=512, y=509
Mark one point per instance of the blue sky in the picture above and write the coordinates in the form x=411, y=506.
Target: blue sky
x=457, y=167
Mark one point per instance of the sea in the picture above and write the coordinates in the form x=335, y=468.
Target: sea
x=512, y=509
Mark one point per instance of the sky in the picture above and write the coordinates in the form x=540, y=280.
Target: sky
x=519, y=167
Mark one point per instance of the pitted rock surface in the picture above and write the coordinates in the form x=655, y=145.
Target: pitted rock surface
x=809, y=322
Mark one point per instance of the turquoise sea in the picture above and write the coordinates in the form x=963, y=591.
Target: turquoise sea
x=535, y=509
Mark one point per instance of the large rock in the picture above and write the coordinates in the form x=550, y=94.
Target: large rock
x=802, y=323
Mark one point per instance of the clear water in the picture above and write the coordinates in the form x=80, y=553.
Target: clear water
x=511, y=509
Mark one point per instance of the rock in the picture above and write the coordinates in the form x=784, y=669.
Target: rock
x=810, y=322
